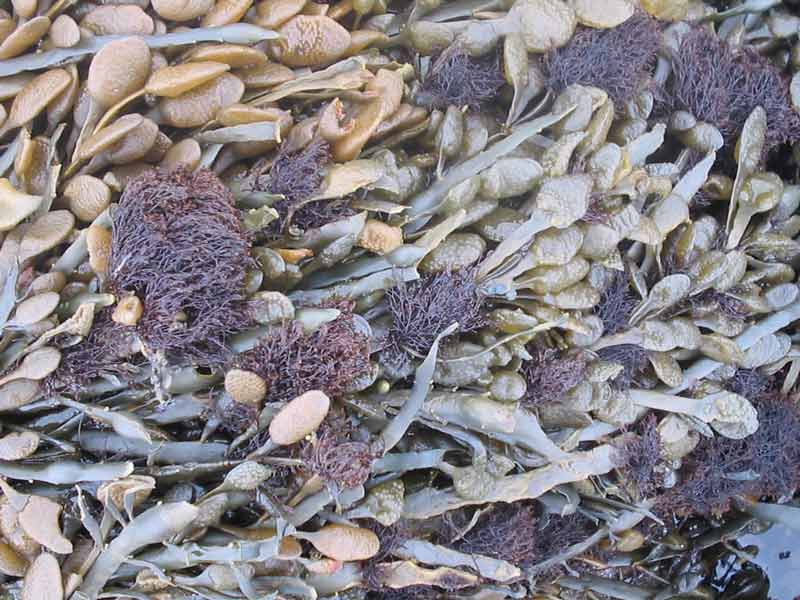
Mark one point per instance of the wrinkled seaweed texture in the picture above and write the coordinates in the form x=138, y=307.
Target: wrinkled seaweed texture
x=722, y=86
x=297, y=176
x=767, y=463
x=514, y=533
x=641, y=454
x=550, y=374
x=292, y=362
x=423, y=309
x=105, y=352
x=178, y=245
x=617, y=60
x=458, y=79
x=617, y=302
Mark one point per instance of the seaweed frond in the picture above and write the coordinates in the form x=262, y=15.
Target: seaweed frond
x=108, y=351
x=458, y=79
x=633, y=359
x=514, y=533
x=234, y=417
x=412, y=592
x=750, y=383
x=340, y=461
x=178, y=244
x=767, y=463
x=617, y=60
x=508, y=532
x=641, y=454
x=391, y=538
x=551, y=374
x=298, y=175
x=421, y=310
x=722, y=86
x=292, y=362
x=617, y=302
x=725, y=303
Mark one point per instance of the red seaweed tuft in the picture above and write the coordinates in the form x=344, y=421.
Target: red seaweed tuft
x=551, y=374
x=722, y=86
x=292, y=362
x=108, y=351
x=179, y=246
x=421, y=310
x=767, y=463
x=339, y=460
x=642, y=453
x=458, y=79
x=617, y=60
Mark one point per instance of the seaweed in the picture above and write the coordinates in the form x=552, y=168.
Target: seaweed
x=642, y=454
x=617, y=302
x=723, y=302
x=391, y=538
x=293, y=362
x=234, y=417
x=767, y=463
x=550, y=374
x=178, y=244
x=458, y=79
x=107, y=351
x=507, y=532
x=617, y=60
x=633, y=359
x=750, y=383
x=515, y=533
x=338, y=459
x=297, y=175
x=423, y=309
x=722, y=86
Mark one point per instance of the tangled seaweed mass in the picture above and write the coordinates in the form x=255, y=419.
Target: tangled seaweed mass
x=381, y=300
x=179, y=246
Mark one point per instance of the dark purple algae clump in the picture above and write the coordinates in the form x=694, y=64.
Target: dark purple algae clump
x=550, y=374
x=338, y=459
x=178, y=245
x=297, y=175
x=108, y=351
x=423, y=309
x=617, y=60
x=516, y=533
x=641, y=454
x=767, y=463
x=293, y=362
x=617, y=302
x=722, y=86
x=458, y=79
